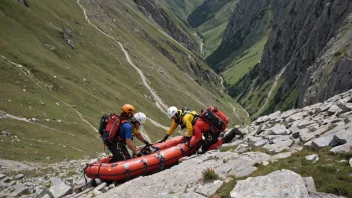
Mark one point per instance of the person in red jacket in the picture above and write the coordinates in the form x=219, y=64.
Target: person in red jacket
x=206, y=136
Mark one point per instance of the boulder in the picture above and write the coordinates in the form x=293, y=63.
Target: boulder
x=278, y=184
x=208, y=188
x=321, y=142
x=341, y=137
x=59, y=190
x=313, y=158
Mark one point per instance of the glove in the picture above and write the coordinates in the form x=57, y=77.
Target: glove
x=188, y=139
x=146, y=143
x=164, y=139
x=134, y=155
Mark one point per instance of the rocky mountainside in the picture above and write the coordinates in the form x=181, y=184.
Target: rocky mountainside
x=305, y=59
x=169, y=23
x=298, y=153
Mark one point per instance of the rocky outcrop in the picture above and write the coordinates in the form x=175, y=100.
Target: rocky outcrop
x=310, y=39
x=151, y=8
x=281, y=134
x=331, y=74
x=249, y=22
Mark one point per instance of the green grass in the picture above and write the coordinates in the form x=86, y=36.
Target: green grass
x=244, y=62
x=212, y=30
x=110, y=79
x=209, y=174
x=329, y=174
x=182, y=10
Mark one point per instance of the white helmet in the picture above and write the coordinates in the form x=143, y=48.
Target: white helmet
x=140, y=117
x=171, y=111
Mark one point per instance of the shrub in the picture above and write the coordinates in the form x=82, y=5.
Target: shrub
x=209, y=174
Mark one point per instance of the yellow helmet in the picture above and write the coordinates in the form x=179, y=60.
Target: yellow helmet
x=128, y=109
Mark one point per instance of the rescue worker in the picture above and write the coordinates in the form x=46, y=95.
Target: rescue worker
x=117, y=141
x=206, y=136
x=184, y=118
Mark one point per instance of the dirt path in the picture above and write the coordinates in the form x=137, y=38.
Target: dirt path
x=159, y=103
x=272, y=89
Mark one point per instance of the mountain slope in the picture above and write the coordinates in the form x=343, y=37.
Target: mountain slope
x=294, y=54
x=64, y=73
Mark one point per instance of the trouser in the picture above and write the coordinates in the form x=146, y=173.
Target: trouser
x=210, y=138
x=119, y=151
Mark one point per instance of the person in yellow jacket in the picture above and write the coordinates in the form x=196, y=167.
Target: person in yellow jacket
x=184, y=118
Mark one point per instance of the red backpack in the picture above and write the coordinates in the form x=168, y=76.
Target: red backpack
x=109, y=126
x=215, y=118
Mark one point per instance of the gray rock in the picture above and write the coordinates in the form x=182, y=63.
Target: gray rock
x=279, y=129
x=313, y=158
x=19, y=176
x=209, y=188
x=280, y=156
x=309, y=182
x=334, y=109
x=100, y=187
x=111, y=186
x=350, y=162
x=19, y=190
x=278, y=184
x=321, y=142
x=341, y=149
x=259, y=143
x=261, y=120
x=59, y=190
x=341, y=137
x=2, y=176
x=55, y=181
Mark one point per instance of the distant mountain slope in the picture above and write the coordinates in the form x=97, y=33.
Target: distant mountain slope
x=170, y=23
x=181, y=8
x=305, y=59
x=61, y=71
x=212, y=30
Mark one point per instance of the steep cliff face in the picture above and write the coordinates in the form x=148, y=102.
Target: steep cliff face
x=301, y=31
x=247, y=24
x=162, y=17
x=194, y=66
x=331, y=74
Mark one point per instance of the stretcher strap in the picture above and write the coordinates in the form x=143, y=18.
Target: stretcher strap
x=145, y=165
x=181, y=149
x=161, y=161
x=127, y=173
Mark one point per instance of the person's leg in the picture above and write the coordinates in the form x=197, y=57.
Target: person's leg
x=125, y=152
x=116, y=153
x=212, y=138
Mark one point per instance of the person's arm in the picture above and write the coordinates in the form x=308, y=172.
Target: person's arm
x=140, y=137
x=129, y=142
x=187, y=120
x=172, y=128
x=130, y=145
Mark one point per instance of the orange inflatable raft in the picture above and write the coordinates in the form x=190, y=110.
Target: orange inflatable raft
x=166, y=154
